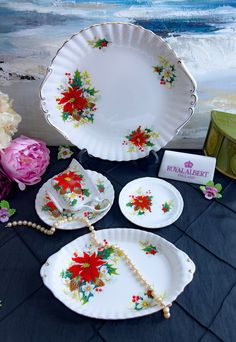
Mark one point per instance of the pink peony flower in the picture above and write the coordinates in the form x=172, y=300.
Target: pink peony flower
x=25, y=160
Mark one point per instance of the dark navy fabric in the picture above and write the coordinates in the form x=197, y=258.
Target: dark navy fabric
x=206, y=230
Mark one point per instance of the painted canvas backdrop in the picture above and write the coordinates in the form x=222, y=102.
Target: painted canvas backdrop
x=203, y=33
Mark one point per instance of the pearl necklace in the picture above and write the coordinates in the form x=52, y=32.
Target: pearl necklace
x=85, y=220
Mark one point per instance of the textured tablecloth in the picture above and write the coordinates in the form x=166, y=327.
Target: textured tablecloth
x=206, y=231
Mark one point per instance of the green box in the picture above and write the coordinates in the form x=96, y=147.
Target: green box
x=221, y=142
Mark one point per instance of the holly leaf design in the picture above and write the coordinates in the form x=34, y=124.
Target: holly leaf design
x=111, y=270
x=45, y=208
x=129, y=204
x=149, y=143
x=4, y=204
x=66, y=274
x=106, y=253
x=65, y=116
x=91, y=91
x=77, y=79
x=86, y=192
x=73, y=202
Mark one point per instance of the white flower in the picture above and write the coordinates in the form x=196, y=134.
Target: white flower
x=87, y=289
x=8, y=126
x=9, y=121
x=145, y=303
x=103, y=270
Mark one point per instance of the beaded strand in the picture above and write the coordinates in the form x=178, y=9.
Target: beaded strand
x=85, y=220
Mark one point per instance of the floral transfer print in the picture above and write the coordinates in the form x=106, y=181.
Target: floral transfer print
x=166, y=72
x=51, y=208
x=140, y=138
x=141, y=203
x=144, y=301
x=71, y=185
x=78, y=98
x=167, y=206
x=98, y=43
x=148, y=248
x=100, y=186
x=88, y=272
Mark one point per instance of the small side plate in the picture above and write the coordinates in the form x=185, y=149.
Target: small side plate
x=150, y=202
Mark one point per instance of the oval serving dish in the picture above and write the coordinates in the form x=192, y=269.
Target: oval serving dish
x=96, y=282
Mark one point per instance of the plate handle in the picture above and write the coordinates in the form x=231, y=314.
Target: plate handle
x=191, y=111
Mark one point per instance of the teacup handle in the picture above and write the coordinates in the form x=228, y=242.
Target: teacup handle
x=97, y=211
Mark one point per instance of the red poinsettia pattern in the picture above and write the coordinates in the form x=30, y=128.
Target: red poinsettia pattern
x=140, y=138
x=73, y=100
x=77, y=99
x=86, y=267
x=68, y=181
x=88, y=273
x=141, y=203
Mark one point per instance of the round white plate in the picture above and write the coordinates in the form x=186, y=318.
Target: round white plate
x=115, y=293
x=106, y=192
x=117, y=90
x=150, y=202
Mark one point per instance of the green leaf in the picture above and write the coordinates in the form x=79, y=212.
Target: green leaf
x=129, y=204
x=218, y=187
x=65, y=116
x=210, y=183
x=86, y=192
x=111, y=270
x=11, y=211
x=149, y=143
x=45, y=208
x=202, y=187
x=91, y=91
x=105, y=254
x=66, y=274
x=74, y=202
x=218, y=195
x=4, y=204
x=77, y=79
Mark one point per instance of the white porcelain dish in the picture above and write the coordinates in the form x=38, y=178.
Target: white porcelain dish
x=150, y=202
x=45, y=212
x=117, y=90
x=116, y=293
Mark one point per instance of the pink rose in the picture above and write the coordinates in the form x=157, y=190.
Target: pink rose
x=25, y=160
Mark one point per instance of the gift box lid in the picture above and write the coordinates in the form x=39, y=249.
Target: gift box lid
x=225, y=123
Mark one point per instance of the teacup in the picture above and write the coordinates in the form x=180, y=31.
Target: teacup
x=73, y=190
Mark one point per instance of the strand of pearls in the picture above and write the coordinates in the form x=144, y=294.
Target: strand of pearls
x=85, y=220
x=133, y=268
x=42, y=229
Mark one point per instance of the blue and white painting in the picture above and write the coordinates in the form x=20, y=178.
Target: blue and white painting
x=203, y=33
